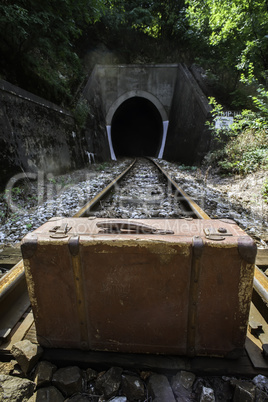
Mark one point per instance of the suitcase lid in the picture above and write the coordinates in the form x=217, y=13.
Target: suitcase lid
x=224, y=232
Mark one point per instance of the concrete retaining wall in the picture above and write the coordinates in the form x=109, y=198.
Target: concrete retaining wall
x=188, y=138
x=36, y=134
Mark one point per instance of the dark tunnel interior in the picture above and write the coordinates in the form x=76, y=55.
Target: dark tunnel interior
x=137, y=128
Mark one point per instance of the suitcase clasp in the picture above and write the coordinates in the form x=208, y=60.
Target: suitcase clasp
x=61, y=231
x=217, y=234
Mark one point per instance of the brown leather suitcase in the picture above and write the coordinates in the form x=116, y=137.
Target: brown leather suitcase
x=147, y=286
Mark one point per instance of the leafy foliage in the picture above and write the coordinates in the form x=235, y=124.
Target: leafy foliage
x=241, y=24
x=237, y=31
x=155, y=18
x=42, y=43
x=242, y=148
x=230, y=41
x=265, y=190
x=37, y=40
x=81, y=112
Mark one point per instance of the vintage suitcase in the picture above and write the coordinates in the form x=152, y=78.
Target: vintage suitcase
x=146, y=286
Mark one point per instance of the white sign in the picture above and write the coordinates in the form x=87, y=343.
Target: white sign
x=223, y=122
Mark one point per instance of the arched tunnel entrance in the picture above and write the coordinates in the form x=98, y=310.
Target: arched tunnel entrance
x=137, y=128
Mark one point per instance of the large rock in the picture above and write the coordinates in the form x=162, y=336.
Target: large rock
x=160, y=389
x=261, y=382
x=49, y=394
x=182, y=384
x=68, y=380
x=186, y=379
x=244, y=391
x=207, y=395
x=132, y=387
x=13, y=389
x=27, y=354
x=43, y=373
x=109, y=383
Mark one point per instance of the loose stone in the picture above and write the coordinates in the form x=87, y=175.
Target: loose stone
x=132, y=387
x=91, y=374
x=13, y=389
x=27, y=354
x=182, y=383
x=261, y=382
x=160, y=389
x=207, y=395
x=244, y=391
x=68, y=380
x=49, y=394
x=109, y=383
x=43, y=373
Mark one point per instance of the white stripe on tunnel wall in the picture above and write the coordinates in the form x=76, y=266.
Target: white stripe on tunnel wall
x=161, y=152
x=165, y=128
x=113, y=157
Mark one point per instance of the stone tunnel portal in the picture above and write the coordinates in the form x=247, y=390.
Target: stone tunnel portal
x=137, y=128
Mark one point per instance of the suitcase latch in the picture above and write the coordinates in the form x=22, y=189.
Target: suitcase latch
x=217, y=234
x=61, y=231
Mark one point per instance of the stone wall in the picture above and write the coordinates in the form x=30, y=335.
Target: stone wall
x=188, y=138
x=36, y=135
x=174, y=92
x=117, y=83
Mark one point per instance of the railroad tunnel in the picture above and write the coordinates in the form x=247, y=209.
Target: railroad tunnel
x=137, y=128
x=154, y=110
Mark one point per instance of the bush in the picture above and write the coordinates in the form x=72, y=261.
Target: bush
x=265, y=190
x=243, y=147
x=81, y=112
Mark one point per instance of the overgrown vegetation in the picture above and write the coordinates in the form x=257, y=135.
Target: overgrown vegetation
x=265, y=190
x=81, y=112
x=236, y=32
x=44, y=47
x=37, y=44
x=43, y=44
x=243, y=147
x=24, y=194
x=231, y=42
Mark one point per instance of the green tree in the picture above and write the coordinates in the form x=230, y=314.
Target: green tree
x=37, y=41
x=155, y=18
x=237, y=25
x=170, y=17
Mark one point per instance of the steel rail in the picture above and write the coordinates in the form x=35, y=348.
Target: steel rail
x=185, y=197
x=13, y=285
x=260, y=283
x=16, y=276
x=93, y=203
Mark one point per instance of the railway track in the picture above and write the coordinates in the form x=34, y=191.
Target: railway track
x=157, y=195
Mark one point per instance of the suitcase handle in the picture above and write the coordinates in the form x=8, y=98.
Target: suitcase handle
x=121, y=226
